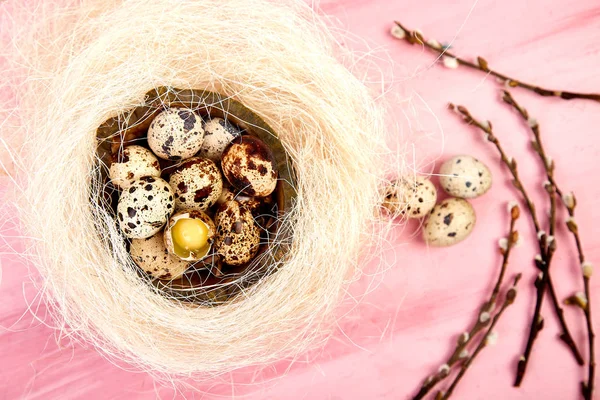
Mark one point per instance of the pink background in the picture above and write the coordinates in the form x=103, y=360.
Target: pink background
x=406, y=326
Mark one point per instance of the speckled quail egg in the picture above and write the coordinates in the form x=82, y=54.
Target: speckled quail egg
x=449, y=222
x=151, y=255
x=218, y=133
x=176, y=134
x=197, y=184
x=465, y=176
x=238, y=237
x=252, y=203
x=249, y=165
x=190, y=235
x=133, y=163
x=411, y=197
x=145, y=207
x=226, y=195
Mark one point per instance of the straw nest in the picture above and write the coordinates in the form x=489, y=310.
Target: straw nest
x=78, y=66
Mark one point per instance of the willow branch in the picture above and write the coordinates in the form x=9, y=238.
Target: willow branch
x=569, y=202
x=509, y=299
x=542, y=261
x=451, y=60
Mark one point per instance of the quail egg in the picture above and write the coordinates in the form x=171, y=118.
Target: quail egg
x=249, y=165
x=151, y=255
x=226, y=195
x=218, y=133
x=238, y=237
x=176, y=134
x=252, y=203
x=410, y=197
x=197, y=184
x=145, y=207
x=465, y=176
x=133, y=163
x=449, y=222
x=189, y=235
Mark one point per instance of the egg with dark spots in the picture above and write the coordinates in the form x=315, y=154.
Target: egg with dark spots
x=238, y=236
x=254, y=204
x=151, y=255
x=249, y=166
x=465, y=177
x=412, y=197
x=197, y=184
x=176, y=134
x=132, y=163
x=218, y=133
x=145, y=207
x=449, y=222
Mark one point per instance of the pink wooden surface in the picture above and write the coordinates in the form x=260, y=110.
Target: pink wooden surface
x=405, y=327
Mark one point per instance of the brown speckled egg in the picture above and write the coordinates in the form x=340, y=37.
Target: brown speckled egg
x=187, y=254
x=449, y=222
x=145, y=207
x=238, y=237
x=176, y=134
x=465, y=177
x=197, y=184
x=151, y=255
x=226, y=195
x=251, y=203
x=133, y=163
x=249, y=165
x=218, y=133
x=411, y=197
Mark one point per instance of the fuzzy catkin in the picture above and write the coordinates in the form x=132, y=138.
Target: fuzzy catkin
x=77, y=66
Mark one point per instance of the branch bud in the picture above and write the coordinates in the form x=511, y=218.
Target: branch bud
x=511, y=295
x=435, y=44
x=398, y=32
x=572, y=225
x=444, y=369
x=463, y=338
x=484, y=317
x=532, y=124
x=491, y=339
x=569, y=200
x=587, y=268
x=450, y=62
x=541, y=235
x=486, y=125
x=514, y=210
x=503, y=244
x=483, y=64
x=578, y=299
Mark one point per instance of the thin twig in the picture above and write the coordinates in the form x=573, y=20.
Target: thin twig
x=511, y=294
x=542, y=261
x=415, y=37
x=570, y=203
x=483, y=318
x=537, y=321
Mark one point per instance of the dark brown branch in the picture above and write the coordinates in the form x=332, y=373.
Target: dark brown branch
x=542, y=262
x=511, y=294
x=537, y=322
x=483, y=318
x=415, y=37
x=587, y=388
x=569, y=202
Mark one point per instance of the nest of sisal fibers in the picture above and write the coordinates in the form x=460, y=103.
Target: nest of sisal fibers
x=74, y=67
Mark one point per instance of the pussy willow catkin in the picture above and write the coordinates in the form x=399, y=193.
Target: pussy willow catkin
x=76, y=66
